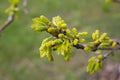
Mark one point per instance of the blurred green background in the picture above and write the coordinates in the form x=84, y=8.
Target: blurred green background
x=19, y=55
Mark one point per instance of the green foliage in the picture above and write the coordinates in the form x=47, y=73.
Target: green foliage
x=57, y=21
x=63, y=39
x=109, y=1
x=26, y=42
x=94, y=63
x=101, y=41
x=13, y=7
x=106, y=7
x=41, y=23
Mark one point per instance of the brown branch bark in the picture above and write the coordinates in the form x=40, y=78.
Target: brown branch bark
x=82, y=46
x=7, y=22
x=95, y=47
x=117, y=1
x=111, y=51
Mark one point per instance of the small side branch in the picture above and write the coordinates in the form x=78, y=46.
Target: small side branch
x=82, y=46
x=117, y=1
x=79, y=46
x=25, y=6
x=7, y=22
x=111, y=52
x=107, y=55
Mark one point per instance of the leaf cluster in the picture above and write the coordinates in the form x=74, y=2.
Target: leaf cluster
x=62, y=40
x=13, y=7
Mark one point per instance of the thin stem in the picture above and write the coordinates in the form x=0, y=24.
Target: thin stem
x=8, y=21
x=111, y=52
x=25, y=6
x=117, y=1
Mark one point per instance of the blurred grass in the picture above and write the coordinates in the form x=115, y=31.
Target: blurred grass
x=19, y=55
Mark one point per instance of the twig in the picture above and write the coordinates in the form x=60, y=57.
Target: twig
x=79, y=46
x=110, y=49
x=8, y=21
x=25, y=6
x=95, y=47
x=117, y=1
x=111, y=52
x=108, y=54
x=82, y=46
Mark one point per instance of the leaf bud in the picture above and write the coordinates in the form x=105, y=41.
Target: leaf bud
x=75, y=42
x=105, y=44
x=103, y=36
x=50, y=57
x=86, y=48
x=44, y=19
x=68, y=31
x=61, y=35
x=63, y=26
x=74, y=30
x=91, y=59
x=96, y=41
x=100, y=57
x=82, y=40
x=39, y=28
x=114, y=44
x=51, y=29
x=48, y=44
x=84, y=33
x=95, y=35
